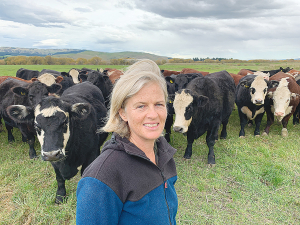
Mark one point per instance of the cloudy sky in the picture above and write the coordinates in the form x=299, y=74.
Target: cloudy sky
x=239, y=29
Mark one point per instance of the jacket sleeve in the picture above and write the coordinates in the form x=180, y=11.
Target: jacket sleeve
x=97, y=203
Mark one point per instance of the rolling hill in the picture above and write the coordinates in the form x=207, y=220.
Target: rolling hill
x=76, y=53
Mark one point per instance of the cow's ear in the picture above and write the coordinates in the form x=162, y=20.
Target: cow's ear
x=34, y=79
x=82, y=77
x=202, y=100
x=65, y=74
x=59, y=79
x=20, y=91
x=81, y=110
x=20, y=113
x=273, y=84
x=170, y=80
x=54, y=88
x=244, y=84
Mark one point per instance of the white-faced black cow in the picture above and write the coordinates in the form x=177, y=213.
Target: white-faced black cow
x=67, y=130
x=14, y=92
x=282, y=100
x=203, y=106
x=250, y=98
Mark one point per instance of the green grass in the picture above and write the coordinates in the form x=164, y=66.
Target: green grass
x=256, y=180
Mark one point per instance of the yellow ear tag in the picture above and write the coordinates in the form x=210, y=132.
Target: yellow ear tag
x=170, y=101
x=22, y=93
x=171, y=81
x=246, y=86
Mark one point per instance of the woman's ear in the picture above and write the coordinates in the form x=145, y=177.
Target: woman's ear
x=123, y=115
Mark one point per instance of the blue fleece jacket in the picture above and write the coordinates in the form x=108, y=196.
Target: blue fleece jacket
x=122, y=186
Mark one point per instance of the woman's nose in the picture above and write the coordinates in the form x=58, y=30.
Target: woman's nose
x=152, y=113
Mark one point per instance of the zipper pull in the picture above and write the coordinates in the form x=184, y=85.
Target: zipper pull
x=166, y=184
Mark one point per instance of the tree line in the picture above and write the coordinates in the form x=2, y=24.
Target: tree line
x=49, y=60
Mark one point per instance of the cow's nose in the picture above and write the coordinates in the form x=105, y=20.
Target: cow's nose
x=52, y=156
x=178, y=129
x=278, y=113
x=259, y=101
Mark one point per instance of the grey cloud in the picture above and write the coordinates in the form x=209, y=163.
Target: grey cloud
x=210, y=8
x=31, y=14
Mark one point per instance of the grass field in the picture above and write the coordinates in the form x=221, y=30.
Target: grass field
x=256, y=180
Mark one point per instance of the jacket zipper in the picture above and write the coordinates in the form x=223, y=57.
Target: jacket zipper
x=165, y=186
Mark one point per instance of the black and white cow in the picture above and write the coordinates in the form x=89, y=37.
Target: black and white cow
x=250, y=97
x=203, y=106
x=67, y=130
x=100, y=80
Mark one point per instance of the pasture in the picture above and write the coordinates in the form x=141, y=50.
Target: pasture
x=256, y=180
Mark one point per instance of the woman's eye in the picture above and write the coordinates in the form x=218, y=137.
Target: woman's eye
x=141, y=106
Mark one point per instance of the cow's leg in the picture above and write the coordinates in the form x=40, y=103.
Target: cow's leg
x=224, y=130
x=270, y=120
x=61, y=187
x=1, y=124
x=296, y=115
x=32, y=152
x=210, y=141
x=243, y=122
x=10, y=136
x=258, y=120
x=168, y=124
x=189, y=149
x=28, y=137
x=284, y=131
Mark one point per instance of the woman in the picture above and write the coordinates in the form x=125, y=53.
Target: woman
x=132, y=181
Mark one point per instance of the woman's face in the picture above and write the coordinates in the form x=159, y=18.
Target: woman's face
x=146, y=114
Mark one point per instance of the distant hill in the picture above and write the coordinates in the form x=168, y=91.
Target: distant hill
x=76, y=53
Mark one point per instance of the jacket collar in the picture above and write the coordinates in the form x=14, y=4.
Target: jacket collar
x=165, y=151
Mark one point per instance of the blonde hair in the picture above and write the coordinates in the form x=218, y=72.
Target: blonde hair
x=132, y=81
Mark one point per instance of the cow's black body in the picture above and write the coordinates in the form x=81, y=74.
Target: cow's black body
x=27, y=74
x=217, y=91
x=79, y=113
x=7, y=98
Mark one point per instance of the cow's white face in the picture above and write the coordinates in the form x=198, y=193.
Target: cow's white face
x=258, y=90
x=52, y=127
x=281, y=99
x=183, y=111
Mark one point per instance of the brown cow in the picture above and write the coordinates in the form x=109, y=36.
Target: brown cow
x=236, y=78
x=282, y=100
x=188, y=70
x=115, y=75
x=245, y=72
x=3, y=78
x=168, y=73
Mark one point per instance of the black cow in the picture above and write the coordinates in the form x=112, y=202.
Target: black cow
x=67, y=130
x=100, y=80
x=250, y=98
x=15, y=92
x=203, y=106
x=182, y=80
x=171, y=93
x=27, y=74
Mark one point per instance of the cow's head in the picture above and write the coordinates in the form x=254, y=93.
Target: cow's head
x=281, y=96
x=52, y=124
x=52, y=120
x=36, y=91
x=186, y=105
x=257, y=89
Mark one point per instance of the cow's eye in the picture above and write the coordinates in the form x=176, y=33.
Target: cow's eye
x=265, y=90
x=252, y=90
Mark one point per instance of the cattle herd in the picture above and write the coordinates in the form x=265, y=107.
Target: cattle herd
x=64, y=110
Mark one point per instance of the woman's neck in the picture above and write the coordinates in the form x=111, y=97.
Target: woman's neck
x=146, y=146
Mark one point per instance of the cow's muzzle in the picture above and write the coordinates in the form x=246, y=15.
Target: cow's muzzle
x=52, y=156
